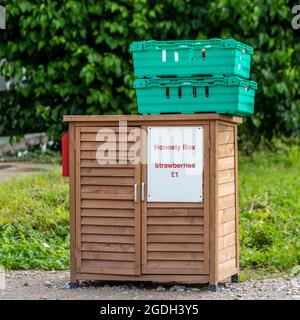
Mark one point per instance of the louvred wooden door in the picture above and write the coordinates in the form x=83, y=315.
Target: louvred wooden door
x=107, y=202
x=175, y=235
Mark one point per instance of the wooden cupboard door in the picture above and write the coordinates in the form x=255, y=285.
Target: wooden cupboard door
x=175, y=235
x=107, y=203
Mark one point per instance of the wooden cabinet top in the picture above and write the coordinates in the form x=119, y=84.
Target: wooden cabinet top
x=151, y=118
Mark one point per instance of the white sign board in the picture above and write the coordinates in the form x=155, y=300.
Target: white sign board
x=175, y=164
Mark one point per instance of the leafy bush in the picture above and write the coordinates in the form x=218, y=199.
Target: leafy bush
x=72, y=57
x=22, y=246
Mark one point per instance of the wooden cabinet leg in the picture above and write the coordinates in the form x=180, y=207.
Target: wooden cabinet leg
x=235, y=278
x=73, y=285
x=213, y=287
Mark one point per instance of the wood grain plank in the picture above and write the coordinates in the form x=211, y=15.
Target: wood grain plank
x=87, y=229
x=192, y=276
x=237, y=232
x=107, y=247
x=226, y=228
x=176, y=256
x=137, y=220
x=175, y=238
x=105, y=272
x=226, y=269
x=171, y=247
x=115, y=190
x=105, y=136
x=175, y=221
x=176, y=229
x=225, y=150
x=128, y=222
x=225, y=189
x=222, y=127
x=117, y=204
x=108, y=181
x=213, y=204
x=113, y=156
x=226, y=202
x=110, y=196
x=227, y=241
x=226, y=215
x=226, y=176
x=226, y=163
x=107, y=172
x=72, y=199
x=90, y=146
x=77, y=199
x=207, y=196
x=168, y=264
x=172, y=273
x=115, y=256
x=225, y=137
x=107, y=238
x=176, y=205
x=108, y=213
x=227, y=254
x=107, y=264
x=105, y=128
x=144, y=205
x=175, y=212
x=133, y=120
x=93, y=163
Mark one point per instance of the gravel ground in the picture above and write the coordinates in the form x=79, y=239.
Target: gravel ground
x=37, y=285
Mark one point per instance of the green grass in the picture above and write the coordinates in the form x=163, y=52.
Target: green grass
x=34, y=216
x=34, y=222
x=269, y=185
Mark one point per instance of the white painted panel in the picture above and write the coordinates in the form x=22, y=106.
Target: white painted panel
x=175, y=164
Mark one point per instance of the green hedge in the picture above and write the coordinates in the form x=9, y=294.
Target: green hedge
x=72, y=57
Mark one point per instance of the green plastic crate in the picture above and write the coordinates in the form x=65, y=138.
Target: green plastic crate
x=228, y=95
x=189, y=58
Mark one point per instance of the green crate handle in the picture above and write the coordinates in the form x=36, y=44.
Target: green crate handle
x=189, y=44
x=176, y=82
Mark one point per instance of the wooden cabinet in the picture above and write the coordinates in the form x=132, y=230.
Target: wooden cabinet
x=116, y=234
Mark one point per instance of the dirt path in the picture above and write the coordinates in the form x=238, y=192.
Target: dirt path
x=9, y=170
x=52, y=285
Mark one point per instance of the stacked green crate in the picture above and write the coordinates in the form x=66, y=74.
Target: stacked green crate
x=193, y=76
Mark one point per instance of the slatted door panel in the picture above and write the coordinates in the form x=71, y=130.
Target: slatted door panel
x=175, y=236
x=108, y=223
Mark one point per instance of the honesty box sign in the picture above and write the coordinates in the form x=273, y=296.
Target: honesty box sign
x=175, y=164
